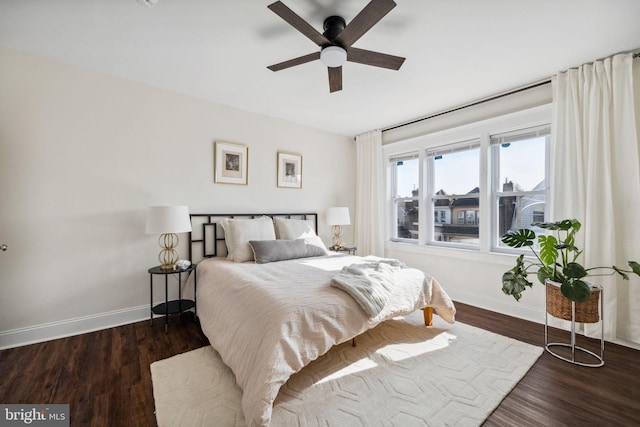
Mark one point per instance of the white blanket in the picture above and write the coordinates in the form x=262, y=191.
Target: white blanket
x=370, y=283
x=268, y=321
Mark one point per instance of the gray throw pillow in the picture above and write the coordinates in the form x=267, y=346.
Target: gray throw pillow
x=280, y=250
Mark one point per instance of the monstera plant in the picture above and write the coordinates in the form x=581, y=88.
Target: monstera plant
x=557, y=261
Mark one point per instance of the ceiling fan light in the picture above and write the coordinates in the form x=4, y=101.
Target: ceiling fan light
x=333, y=56
x=149, y=3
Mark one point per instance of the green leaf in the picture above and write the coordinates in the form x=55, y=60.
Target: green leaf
x=514, y=284
x=575, y=225
x=569, y=241
x=573, y=270
x=548, y=249
x=519, y=238
x=520, y=267
x=635, y=267
x=545, y=273
x=514, y=281
x=621, y=273
x=548, y=225
x=576, y=290
x=509, y=285
x=564, y=225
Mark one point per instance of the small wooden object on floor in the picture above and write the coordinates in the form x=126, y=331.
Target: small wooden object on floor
x=428, y=321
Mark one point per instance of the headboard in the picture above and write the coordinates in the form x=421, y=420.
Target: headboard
x=207, y=234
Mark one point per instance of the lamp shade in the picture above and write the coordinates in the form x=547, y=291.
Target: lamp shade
x=338, y=216
x=168, y=219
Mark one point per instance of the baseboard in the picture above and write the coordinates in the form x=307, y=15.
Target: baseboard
x=520, y=311
x=626, y=343
x=69, y=327
x=81, y=325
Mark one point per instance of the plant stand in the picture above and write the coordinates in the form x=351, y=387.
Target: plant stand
x=557, y=305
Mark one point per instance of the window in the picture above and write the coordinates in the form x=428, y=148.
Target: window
x=520, y=179
x=471, y=218
x=475, y=182
x=454, y=185
x=404, y=174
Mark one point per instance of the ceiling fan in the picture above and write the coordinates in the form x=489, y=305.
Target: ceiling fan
x=337, y=40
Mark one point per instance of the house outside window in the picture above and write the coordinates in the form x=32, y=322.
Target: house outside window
x=472, y=190
x=519, y=179
x=453, y=181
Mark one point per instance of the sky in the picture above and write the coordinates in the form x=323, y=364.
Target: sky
x=522, y=162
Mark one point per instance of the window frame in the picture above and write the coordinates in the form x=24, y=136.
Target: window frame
x=431, y=196
x=543, y=130
x=481, y=131
x=392, y=164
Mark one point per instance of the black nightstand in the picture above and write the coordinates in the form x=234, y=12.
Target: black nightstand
x=175, y=306
x=351, y=249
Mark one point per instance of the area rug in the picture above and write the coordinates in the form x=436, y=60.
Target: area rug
x=399, y=374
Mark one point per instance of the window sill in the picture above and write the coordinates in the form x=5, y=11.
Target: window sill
x=506, y=259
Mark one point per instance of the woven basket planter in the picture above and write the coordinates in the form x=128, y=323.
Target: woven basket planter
x=560, y=306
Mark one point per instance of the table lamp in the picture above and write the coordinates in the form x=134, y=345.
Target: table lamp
x=167, y=221
x=337, y=217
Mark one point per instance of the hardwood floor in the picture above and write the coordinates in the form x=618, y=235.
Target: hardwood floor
x=105, y=376
x=558, y=393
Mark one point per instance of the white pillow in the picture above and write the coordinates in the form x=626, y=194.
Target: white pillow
x=238, y=232
x=291, y=229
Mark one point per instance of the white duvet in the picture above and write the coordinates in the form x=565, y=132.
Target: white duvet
x=267, y=321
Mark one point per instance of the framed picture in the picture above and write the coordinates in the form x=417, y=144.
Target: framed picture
x=230, y=163
x=289, y=170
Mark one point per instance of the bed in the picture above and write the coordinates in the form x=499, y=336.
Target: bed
x=269, y=305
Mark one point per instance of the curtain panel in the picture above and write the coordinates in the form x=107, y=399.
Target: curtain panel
x=370, y=218
x=595, y=177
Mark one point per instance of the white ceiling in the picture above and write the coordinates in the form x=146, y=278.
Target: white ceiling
x=457, y=51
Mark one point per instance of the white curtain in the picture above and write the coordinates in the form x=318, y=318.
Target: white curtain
x=596, y=178
x=370, y=218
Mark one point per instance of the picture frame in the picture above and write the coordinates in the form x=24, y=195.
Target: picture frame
x=289, y=170
x=230, y=163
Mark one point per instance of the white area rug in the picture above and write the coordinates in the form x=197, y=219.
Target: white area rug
x=399, y=374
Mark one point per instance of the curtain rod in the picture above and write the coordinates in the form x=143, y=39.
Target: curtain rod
x=480, y=101
x=471, y=104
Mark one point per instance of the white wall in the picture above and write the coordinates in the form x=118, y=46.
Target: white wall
x=82, y=155
x=472, y=278
x=536, y=96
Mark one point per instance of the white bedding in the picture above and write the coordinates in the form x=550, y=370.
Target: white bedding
x=268, y=321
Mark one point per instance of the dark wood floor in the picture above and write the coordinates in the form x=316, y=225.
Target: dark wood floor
x=105, y=376
x=558, y=393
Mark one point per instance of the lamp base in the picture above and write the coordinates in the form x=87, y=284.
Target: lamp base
x=169, y=255
x=337, y=236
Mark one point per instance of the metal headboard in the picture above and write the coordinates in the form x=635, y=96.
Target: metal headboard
x=209, y=235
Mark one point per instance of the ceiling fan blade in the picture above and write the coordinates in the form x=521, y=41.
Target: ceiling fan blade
x=298, y=23
x=368, y=57
x=295, y=61
x=335, y=79
x=367, y=18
